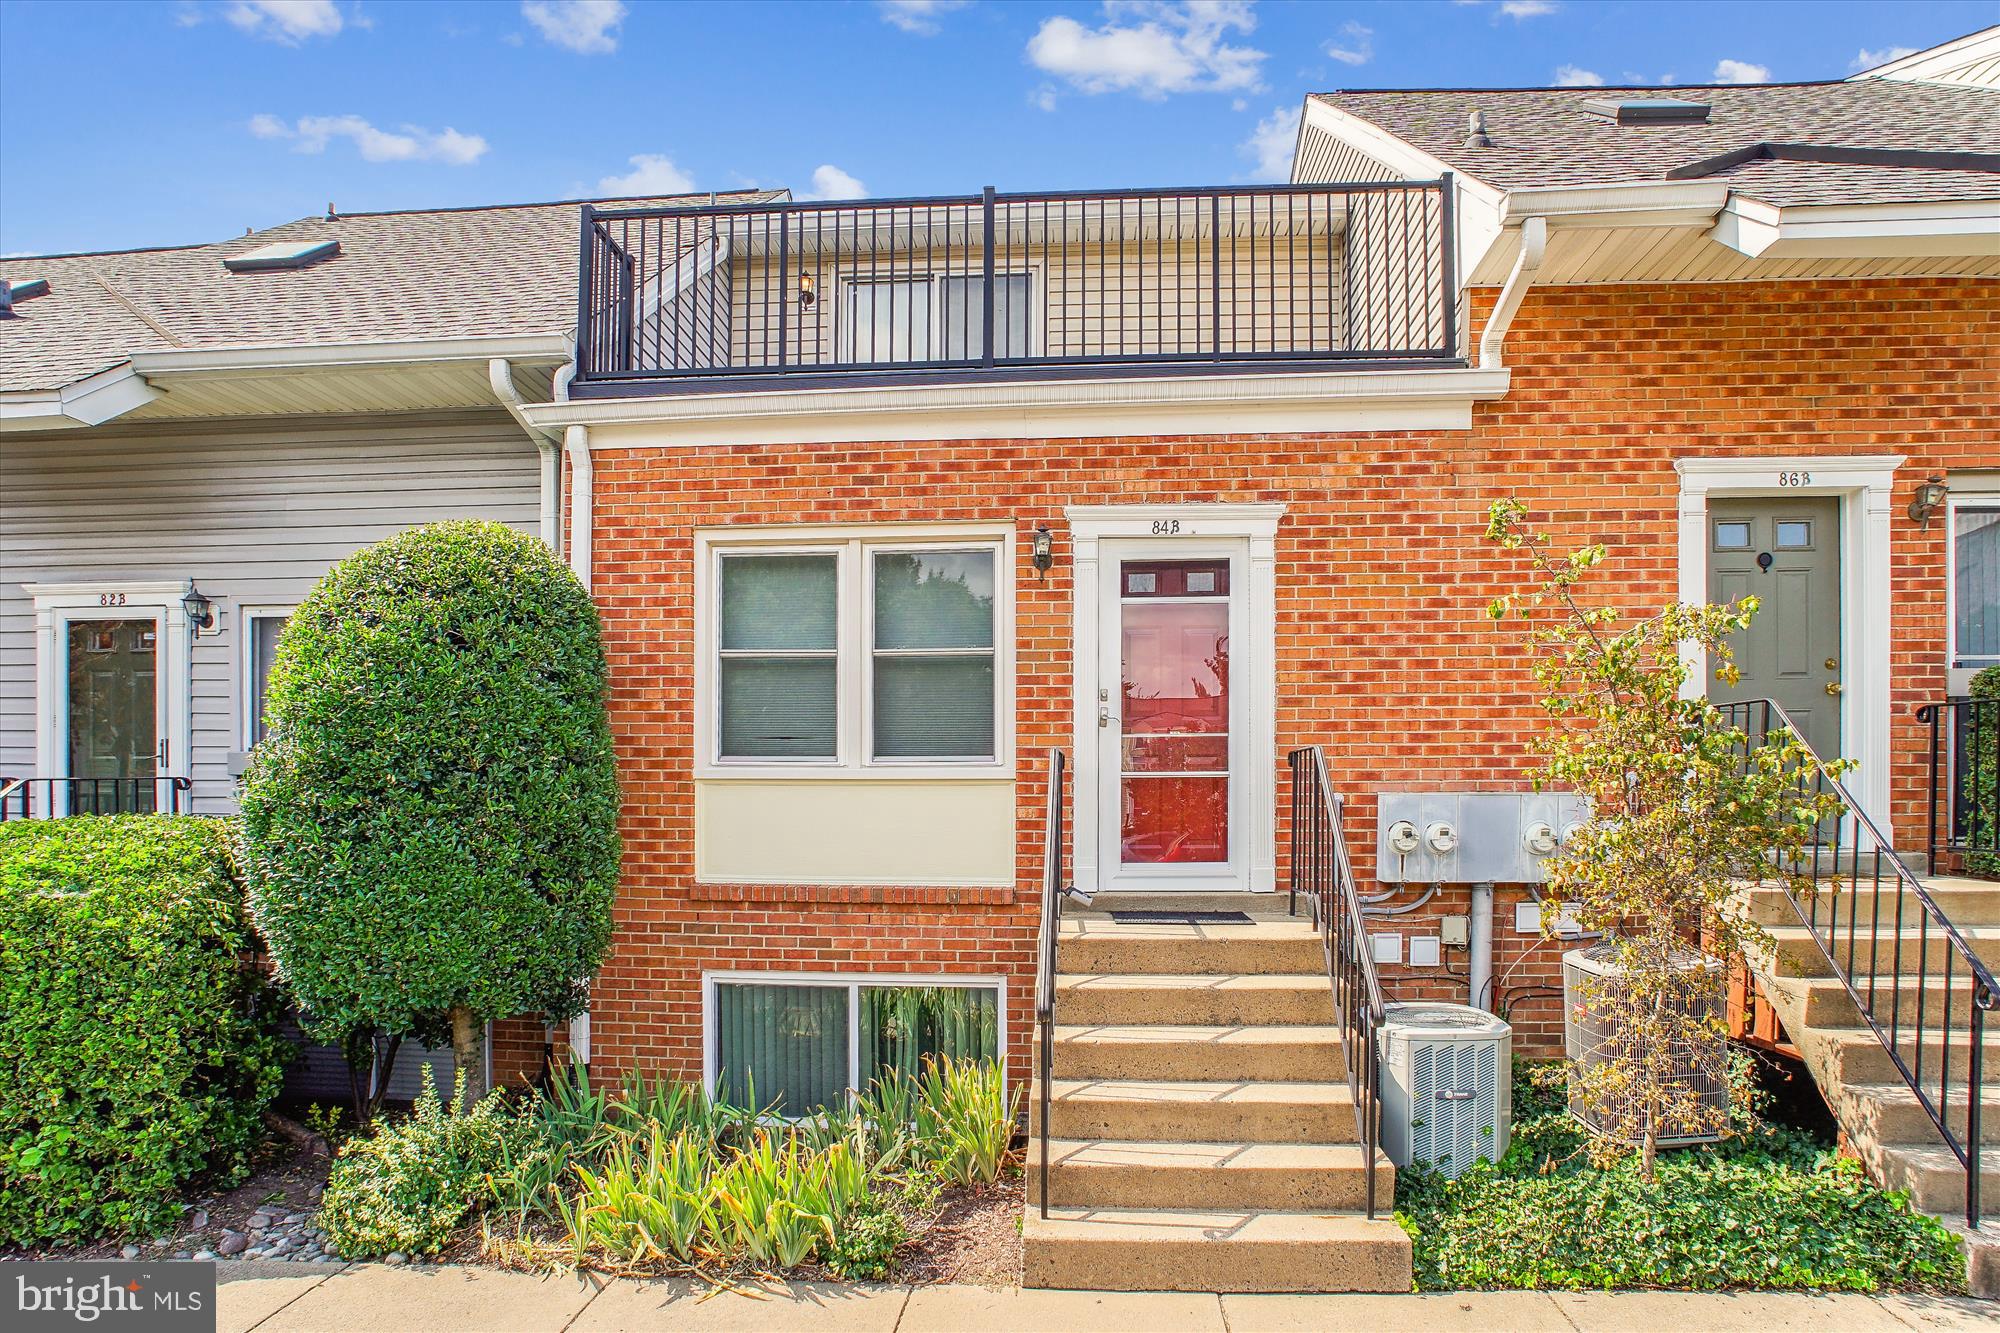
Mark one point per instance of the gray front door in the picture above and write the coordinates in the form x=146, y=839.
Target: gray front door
x=1786, y=553
x=114, y=720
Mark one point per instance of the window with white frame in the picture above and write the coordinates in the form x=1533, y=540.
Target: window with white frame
x=856, y=651
x=261, y=629
x=934, y=317
x=1975, y=581
x=793, y=1044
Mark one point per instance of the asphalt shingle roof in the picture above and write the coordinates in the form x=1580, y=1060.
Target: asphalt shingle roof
x=450, y=273
x=1544, y=137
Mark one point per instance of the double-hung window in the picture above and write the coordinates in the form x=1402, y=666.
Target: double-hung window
x=856, y=652
x=261, y=629
x=934, y=317
x=1975, y=581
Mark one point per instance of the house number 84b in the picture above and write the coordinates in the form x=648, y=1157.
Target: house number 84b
x=1795, y=478
x=1166, y=527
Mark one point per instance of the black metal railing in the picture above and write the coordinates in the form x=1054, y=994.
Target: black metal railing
x=1045, y=954
x=1915, y=980
x=1241, y=276
x=43, y=798
x=1963, y=814
x=1323, y=872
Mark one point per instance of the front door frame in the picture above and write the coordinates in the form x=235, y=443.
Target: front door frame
x=1254, y=665
x=1863, y=485
x=56, y=605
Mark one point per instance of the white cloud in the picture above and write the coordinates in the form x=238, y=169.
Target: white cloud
x=286, y=21
x=1359, y=47
x=1740, y=71
x=1270, y=145
x=1572, y=76
x=917, y=16
x=588, y=27
x=651, y=173
x=830, y=182
x=1158, y=48
x=312, y=134
x=1526, y=9
x=1866, y=59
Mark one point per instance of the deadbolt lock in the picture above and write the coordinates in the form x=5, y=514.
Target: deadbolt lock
x=1833, y=688
x=1833, y=664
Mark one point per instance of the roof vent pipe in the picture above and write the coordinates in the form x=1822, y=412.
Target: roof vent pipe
x=1534, y=244
x=1475, y=132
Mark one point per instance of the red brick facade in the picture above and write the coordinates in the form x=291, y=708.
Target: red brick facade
x=1385, y=654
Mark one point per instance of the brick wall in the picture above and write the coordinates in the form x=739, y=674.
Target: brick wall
x=1384, y=652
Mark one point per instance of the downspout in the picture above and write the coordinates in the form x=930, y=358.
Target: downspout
x=577, y=440
x=1534, y=244
x=1479, y=933
x=500, y=377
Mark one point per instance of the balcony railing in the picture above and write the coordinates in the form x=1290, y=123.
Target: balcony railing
x=47, y=798
x=1188, y=280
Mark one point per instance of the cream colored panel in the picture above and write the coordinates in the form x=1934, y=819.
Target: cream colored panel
x=860, y=831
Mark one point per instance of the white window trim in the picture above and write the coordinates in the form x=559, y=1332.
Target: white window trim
x=853, y=702
x=1256, y=524
x=843, y=335
x=246, y=666
x=853, y=981
x=1982, y=492
x=1863, y=484
x=56, y=605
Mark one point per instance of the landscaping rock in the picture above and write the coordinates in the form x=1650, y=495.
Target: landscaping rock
x=293, y=1219
x=258, y=1221
x=232, y=1243
x=129, y=1252
x=199, y=1221
x=396, y=1259
x=205, y=1256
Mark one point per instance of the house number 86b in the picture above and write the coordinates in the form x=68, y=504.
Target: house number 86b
x=1795, y=478
x=1166, y=527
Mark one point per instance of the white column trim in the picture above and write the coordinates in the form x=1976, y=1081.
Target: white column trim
x=1864, y=485
x=1258, y=524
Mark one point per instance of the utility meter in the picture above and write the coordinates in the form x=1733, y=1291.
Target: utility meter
x=1403, y=837
x=1539, y=838
x=1570, y=830
x=1442, y=837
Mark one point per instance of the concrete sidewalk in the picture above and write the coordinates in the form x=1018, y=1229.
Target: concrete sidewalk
x=367, y=1298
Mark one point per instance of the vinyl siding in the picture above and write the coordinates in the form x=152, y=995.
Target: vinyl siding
x=254, y=514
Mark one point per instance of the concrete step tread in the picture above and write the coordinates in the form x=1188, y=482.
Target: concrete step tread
x=1906, y=1038
x=1961, y=882
x=1182, y=1092
x=1970, y=930
x=1227, y=1226
x=1289, y=1157
x=1259, y=928
x=1142, y=1034
x=1211, y=981
x=1989, y=1092
x=1937, y=1157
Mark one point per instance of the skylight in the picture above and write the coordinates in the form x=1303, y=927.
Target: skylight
x=282, y=254
x=1648, y=110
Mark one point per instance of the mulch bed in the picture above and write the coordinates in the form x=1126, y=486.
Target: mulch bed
x=975, y=1239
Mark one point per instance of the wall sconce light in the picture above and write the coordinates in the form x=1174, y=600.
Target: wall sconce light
x=808, y=291
x=1930, y=498
x=1044, y=549
x=200, y=611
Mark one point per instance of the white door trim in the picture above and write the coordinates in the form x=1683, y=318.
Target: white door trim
x=56, y=604
x=1863, y=485
x=1256, y=667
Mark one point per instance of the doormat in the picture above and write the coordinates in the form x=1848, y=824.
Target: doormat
x=1136, y=918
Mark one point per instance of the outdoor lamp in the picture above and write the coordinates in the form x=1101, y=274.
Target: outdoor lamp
x=1930, y=498
x=200, y=611
x=1044, y=549
x=808, y=291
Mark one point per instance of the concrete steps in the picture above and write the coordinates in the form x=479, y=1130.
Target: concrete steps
x=1886, y=955
x=1827, y=1003
x=1202, y=1135
x=1967, y=902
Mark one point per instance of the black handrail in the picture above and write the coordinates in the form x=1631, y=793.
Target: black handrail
x=1321, y=868
x=1964, y=806
x=1045, y=958
x=94, y=796
x=1271, y=276
x=1843, y=853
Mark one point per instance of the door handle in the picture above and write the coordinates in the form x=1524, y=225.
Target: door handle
x=1833, y=688
x=1103, y=717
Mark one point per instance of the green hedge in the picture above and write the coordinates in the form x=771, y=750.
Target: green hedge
x=138, y=1046
x=1982, y=742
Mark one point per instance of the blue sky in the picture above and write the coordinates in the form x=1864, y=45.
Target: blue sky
x=133, y=124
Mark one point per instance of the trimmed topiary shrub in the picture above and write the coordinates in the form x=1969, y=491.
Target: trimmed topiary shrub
x=1986, y=775
x=136, y=1034
x=431, y=821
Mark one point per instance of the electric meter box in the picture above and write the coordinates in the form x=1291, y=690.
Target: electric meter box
x=1496, y=837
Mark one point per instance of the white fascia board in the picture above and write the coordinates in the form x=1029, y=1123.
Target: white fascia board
x=1860, y=231
x=1636, y=204
x=88, y=402
x=519, y=347
x=1929, y=63
x=1439, y=399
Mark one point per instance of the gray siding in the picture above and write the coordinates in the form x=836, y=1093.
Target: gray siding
x=253, y=513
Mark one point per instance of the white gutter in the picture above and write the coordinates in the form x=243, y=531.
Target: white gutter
x=577, y=440
x=514, y=347
x=500, y=375
x=91, y=401
x=1534, y=245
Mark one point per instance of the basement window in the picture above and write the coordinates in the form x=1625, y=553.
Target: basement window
x=282, y=255
x=796, y=1043
x=1647, y=110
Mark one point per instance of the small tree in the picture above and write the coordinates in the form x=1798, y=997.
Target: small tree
x=1685, y=808
x=431, y=820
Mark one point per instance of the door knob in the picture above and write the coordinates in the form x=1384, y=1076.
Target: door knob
x=1833, y=688
x=1833, y=664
